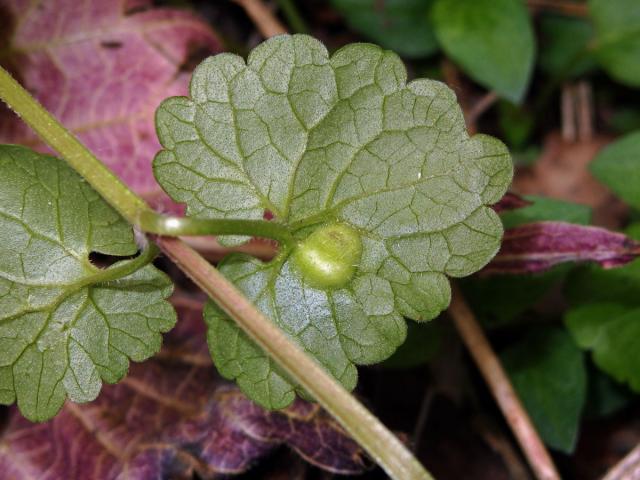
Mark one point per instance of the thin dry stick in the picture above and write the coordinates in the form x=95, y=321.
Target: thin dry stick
x=627, y=469
x=568, y=109
x=480, y=107
x=584, y=113
x=504, y=447
x=501, y=388
x=263, y=17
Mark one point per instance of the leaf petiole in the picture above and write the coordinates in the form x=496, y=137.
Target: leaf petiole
x=152, y=222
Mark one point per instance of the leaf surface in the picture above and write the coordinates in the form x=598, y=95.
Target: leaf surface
x=617, y=44
x=549, y=373
x=492, y=40
x=321, y=140
x=101, y=68
x=171, y=418
x=618, y=166
x=612, y=332
x=65, y=324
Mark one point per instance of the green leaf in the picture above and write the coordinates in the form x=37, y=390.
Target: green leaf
x=548, y=372
x=545, y=209
x=401, y=25
x=606, y=396
x=590, y=283
x=492, y=40
x=340, y=144
x=618, y=167
x=612, y=332
x=617, y=47
x=499, y=300
x=65, y=324
x=564, y=46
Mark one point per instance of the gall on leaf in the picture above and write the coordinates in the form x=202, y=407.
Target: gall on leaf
x=329, y=256
x=338, y=144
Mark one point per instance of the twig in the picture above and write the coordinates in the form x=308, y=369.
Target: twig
x=263, y=18
x=421, y=422
x=561, y=6
x=501, y=388
x=627, y=469
x=504, y=448
x=210, y=249
x=584, y=113
x=568, y=113
x=478, y=108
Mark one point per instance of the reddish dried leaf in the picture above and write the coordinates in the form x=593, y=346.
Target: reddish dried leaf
x=171, y=418
x=510, y=201
x=102, y=72
x=536, y=247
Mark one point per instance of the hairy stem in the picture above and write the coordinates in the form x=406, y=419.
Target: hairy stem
x=501, y=388
x=111, y=188
x=366, y=429
x=75, y=153
x=380, y=443
x=151, y=222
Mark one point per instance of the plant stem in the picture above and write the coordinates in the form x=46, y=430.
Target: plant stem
x=627, y=468
x=263, y=18
x=367, y=430
x=110, y=187
x=151, y=222
x=501, y=388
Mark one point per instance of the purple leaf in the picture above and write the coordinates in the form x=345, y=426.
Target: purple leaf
x=102, y=71
x=536, y=247
x=171, y=418
x=510, y=201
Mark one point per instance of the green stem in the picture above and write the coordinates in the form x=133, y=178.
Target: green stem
x=152, y=222
x=75, y=153
x=111, y=188
x=383, y=446
x=123, y=268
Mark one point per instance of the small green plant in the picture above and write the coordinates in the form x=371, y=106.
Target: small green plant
x=378, y=189
x=372, y=195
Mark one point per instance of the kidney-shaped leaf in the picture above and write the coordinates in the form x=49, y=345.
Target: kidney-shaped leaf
x=65, y=324
x=343, y=143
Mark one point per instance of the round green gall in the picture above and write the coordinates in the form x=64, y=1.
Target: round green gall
x=328, y=257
